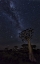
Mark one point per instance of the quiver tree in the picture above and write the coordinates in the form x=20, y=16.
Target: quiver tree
x=27, y=35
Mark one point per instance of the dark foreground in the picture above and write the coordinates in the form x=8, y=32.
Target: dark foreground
x=18, y=57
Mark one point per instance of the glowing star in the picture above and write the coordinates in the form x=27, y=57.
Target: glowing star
x=11, y=36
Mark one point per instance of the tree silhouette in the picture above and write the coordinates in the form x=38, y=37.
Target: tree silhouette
x=25, y=47
x=6, y=49
x=27, y=35
x=33, y=46
x=16, y=48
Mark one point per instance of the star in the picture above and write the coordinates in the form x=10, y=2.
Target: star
x=11, y=36
x=23, y=4
x=34, y=7
x=28, y=3
x=33, y=10
x=38, y=5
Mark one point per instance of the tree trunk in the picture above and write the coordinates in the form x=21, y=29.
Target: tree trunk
x=31, y=56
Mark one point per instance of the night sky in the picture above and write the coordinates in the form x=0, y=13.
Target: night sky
x=18, y=15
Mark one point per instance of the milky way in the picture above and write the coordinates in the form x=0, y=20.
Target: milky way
x=17, y=15
x=10, y=22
